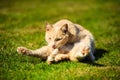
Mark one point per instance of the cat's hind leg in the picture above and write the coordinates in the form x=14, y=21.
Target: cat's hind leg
x=41, y=53
x=23, y=50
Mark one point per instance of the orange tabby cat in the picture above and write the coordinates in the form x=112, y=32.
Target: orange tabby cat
x=66, y=40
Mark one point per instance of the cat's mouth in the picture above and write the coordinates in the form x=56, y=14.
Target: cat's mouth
x=54, y=47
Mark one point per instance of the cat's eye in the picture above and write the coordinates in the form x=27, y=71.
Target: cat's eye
x=58, y=39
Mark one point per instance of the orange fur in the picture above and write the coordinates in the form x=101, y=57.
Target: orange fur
x=66, y=40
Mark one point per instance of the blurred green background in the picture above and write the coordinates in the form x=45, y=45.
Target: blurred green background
x=22, y=23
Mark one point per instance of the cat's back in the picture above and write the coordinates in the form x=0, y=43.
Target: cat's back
x=74, y=28
x=62, y=22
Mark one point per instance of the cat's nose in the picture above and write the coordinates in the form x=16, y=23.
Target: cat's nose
x=53, y=47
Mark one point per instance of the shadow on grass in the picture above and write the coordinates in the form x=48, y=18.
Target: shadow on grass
x=99, y=53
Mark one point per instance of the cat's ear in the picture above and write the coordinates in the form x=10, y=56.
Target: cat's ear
x=48, y=26
x=64, y=28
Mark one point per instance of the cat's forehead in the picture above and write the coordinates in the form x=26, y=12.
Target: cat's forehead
x=52, y=31
x=56, y=29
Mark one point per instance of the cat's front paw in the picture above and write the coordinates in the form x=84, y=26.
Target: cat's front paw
x=57, y=59
x=22, y=50
x=61, y=57
x=50, y=60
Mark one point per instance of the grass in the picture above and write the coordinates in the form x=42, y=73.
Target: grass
x=22, y=23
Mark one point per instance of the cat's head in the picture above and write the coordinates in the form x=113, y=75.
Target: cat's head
x=56, y=36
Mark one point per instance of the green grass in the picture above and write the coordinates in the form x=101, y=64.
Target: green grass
x=22, y=23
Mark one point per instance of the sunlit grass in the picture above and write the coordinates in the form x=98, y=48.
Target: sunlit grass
x=22, y=23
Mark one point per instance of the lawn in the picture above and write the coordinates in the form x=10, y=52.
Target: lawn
x=22, y=23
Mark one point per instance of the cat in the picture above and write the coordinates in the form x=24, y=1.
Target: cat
x=66, y=40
